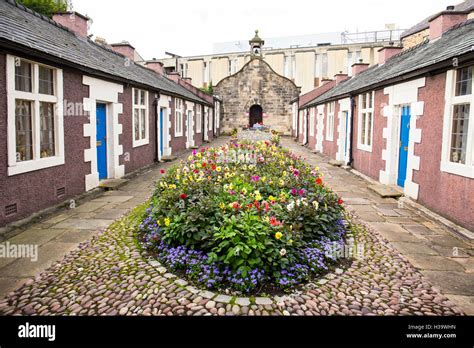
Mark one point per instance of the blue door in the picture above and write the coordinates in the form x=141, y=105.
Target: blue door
x=101, y=129
x=403, y=152
x=161, y=132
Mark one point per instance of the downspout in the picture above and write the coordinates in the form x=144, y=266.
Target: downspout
x=157, y=131
x=203, y=129
x=297, y=122
x=351, y=139
x=307, y=128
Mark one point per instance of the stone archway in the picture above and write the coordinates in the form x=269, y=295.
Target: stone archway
x=255, y=114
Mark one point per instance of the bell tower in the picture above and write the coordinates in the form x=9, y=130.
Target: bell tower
x=256, y=45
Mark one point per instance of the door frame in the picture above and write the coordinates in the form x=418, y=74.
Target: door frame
x=189, y=128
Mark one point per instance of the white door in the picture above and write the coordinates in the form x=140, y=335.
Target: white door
x=190, y=129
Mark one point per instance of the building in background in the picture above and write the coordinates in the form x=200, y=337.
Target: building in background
x=306, y=60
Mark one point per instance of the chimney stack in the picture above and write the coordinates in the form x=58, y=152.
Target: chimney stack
x=340, y=77
x=444, y=21
x=188, y=80
x=387, y=52
x=174, y=76
x=74, y=21
x=156, y=67
x=325, y=80
x=124, y=48
x=359, y=67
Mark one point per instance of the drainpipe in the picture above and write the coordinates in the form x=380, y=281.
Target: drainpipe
x=307, y=128
x=157, y=131
x=351, y=142
x=297, y=123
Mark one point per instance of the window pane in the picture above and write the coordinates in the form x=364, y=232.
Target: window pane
x=46, y=85
x=23, y=74
x=142, y=98
x=369, y=128
x=136, y=121
x=24, y=135
x=135, y=96
x=46, y=130
x=142, y=123
x=362, y=132
x=464, y=81
x=369, y=98
x=364, y=101
x=459, y=133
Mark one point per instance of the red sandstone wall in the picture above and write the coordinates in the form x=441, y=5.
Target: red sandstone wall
x=34, y=191
x=312, y=138
x=447, y=194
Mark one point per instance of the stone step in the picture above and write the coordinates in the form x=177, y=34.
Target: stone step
x=194, y=147
x=386, y=191
x=336, y=163
x=168, y=158
x=112, y=184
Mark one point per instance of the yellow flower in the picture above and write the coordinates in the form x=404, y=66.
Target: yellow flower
x=264, y=178
x=198, y=155
x=244, y=167
x=244, y=191
x=177, y=177
x=222, y=206
x=158, y=222
x=258, y=197
x=218, y=169
x=167, y=221
x=271, y=198
x=278, y=235
x=285, y=173
x=190, y=158
x=282, y=183
x=266, y=218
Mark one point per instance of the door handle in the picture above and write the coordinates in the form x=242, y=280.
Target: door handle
x=405, y=148
x=98, y=143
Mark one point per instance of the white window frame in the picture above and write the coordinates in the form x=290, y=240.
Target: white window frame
x=330, y=121
x=312, y=118
x=362, y=144
x=178, y=117
x=35, y=97
x=198, y=118
x=146, y=139
x=210, y=112
x=466, y=170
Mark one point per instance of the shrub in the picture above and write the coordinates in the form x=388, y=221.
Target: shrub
x=243, y=215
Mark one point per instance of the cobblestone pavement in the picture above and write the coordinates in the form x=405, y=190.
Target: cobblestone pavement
x=104, y=273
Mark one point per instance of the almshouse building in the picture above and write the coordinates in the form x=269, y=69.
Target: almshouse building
x=74, y=112
x=409, y=120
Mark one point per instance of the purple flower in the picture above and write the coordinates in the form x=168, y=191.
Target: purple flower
x=255, y=178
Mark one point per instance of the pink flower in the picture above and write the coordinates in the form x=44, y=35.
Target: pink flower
x=255, y=178
x=301, y=192
x=294, y=192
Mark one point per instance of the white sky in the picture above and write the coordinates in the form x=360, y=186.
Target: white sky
x=190, y=27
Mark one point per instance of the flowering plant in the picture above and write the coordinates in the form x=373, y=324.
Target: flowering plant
x=227, y=223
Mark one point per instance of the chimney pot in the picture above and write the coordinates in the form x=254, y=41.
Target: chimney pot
x=124, y=48
x=450, y=8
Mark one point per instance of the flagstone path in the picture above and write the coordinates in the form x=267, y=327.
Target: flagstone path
x=104, y=273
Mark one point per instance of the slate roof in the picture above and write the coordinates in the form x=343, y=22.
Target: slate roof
x=466, y=5
x=27, y=29
x=455, y=42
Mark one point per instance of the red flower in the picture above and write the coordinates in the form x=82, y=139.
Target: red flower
x=195, y=171
x=319, y=181
x=267, y=208
x=340, y=201
x=249, y=206
x=204, y=164
x=214, y=167
x=162, y=171
x=236, y=205
x=257, y=205
x=183, y=196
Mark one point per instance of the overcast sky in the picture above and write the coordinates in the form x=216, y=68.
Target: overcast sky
x=191, y=27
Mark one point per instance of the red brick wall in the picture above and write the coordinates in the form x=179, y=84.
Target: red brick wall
x=312, y=138
x=370, y=163
x=447, y=194
x=34, y=191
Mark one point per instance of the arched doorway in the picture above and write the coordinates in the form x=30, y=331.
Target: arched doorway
x=255, y=114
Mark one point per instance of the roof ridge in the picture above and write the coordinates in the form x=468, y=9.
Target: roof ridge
x=459, y=25
x=39, y=15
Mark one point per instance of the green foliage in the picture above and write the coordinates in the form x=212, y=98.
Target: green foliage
x=209, y=89
x=45, y=7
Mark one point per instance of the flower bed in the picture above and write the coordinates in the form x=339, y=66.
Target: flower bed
x=245, y=216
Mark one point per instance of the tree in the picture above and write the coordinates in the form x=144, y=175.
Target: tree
x=46, y=7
